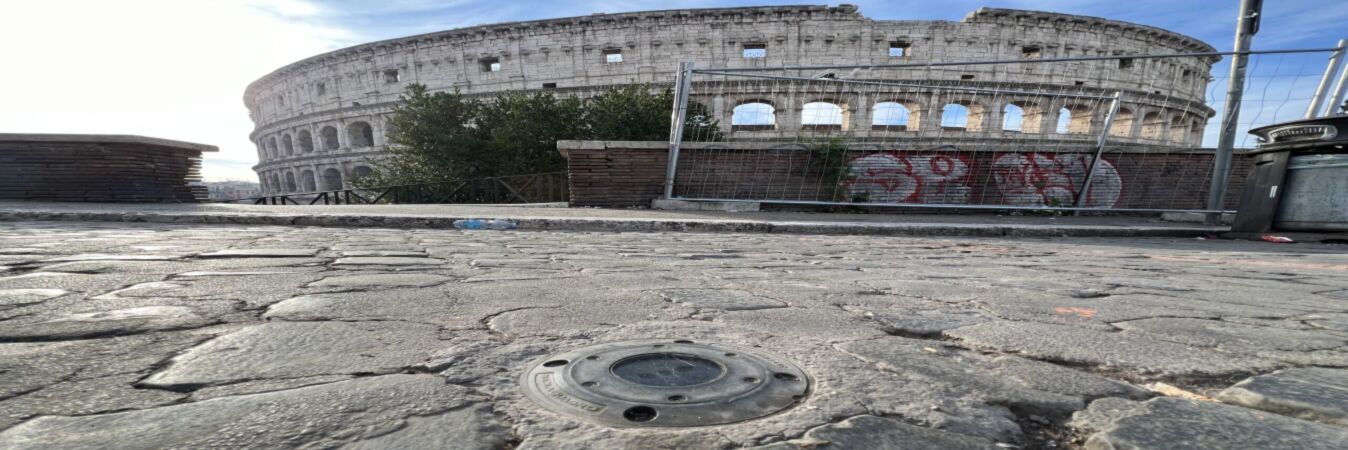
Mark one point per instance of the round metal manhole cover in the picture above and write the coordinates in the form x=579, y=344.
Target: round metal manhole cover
x=665, y=383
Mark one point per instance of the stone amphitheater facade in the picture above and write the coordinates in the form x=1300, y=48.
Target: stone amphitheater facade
x=320, y=120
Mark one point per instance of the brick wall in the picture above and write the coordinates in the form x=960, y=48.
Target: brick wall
x=100, y=168
x=627, y=174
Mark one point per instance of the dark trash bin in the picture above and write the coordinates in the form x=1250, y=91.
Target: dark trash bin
x=1299, y=181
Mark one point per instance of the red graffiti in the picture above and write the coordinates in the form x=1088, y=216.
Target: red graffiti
x=894, y=177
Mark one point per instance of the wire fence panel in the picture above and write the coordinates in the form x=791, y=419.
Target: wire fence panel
x=1005, y=135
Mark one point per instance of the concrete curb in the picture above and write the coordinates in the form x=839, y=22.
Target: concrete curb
x=628, y=225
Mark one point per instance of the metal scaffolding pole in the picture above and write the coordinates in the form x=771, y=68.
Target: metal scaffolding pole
x=1320, y=90
x=683, y=83
x=1332, y=109
x=1247, y=24
x=1099, y=150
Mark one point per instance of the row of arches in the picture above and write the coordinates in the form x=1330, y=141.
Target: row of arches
x=290, y=181
x=1015, y=117
x=359, y=134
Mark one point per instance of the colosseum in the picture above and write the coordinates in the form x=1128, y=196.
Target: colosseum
x=320, y=120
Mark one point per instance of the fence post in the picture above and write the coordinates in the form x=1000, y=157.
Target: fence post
x=1099, y=150
x=1246, y=25
x=1322, y=88
x=683, y=82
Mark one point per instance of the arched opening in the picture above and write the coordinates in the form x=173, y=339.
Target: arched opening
x=1153, y=126
x=359, y=135
x=822, y=116
x=305, y=140
x=329, y=136
x=1013, y=118
x=890, y=116
x=271, y=147
x=290, y=182
x=1196, y=133
x=361, y=172
x=1028, y=115
x=307, y=181
x=962, y=116
x=275, y=183
x=288, y=144
x=954, y=117
x=1074, y=119
x=752, y=116
x=332, y=179
x=1123, y=123
x=1179, y=129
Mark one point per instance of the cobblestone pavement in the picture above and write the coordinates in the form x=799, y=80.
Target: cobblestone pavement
x=151, y=336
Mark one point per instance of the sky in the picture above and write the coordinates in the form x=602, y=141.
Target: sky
x=177, y=69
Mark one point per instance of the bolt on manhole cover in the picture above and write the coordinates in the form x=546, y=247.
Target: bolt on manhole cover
x=664, y=383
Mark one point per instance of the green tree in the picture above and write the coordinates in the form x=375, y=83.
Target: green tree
x=521, y=133
x=635, y=113
x=431, y=139
x=442, y=136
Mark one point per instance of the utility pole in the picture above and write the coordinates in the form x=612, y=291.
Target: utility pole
x=1247, y=24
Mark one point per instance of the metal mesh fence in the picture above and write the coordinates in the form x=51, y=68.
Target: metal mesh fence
x=1007, y=135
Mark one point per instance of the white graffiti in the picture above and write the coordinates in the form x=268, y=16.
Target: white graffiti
x=1034, y=179
x=900, y=178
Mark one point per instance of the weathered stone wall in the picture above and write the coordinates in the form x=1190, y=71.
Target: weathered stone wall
x=355, y=87
x=100, y=168
x=626, y=174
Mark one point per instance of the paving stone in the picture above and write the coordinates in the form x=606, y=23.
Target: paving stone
x=84, y=397
x=299, y=349
x=1233, y=337
x=1027, y=386
x=430, y=306
x=1311, y=393
x=1015, y=332
x=879, y=432
x=322, y=416
x=1169, y=423
x=469, y=428
x=385, y=253
x=261, y=253
x=110, y=257
x=31, y=366
x=723, y=299
x=380, y=281
x=387, y=261
x=13, y=298
x=103, y=323
x=1110, y=350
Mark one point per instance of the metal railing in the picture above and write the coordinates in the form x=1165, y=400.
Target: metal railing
x=531, y=188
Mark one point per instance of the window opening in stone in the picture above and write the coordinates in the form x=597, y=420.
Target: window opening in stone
x=755, y=51
x=1013, y=119
x=821, y=116
x=329, y=135
x=899, y=49
x=954, y=117
x=753, y=116
x=613, y=55
x=890, y=116
x=392, y=76
x=490, y=64
x=359, y=134
x=1031, y=52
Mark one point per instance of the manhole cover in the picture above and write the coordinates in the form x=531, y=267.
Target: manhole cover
x=665, y=383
